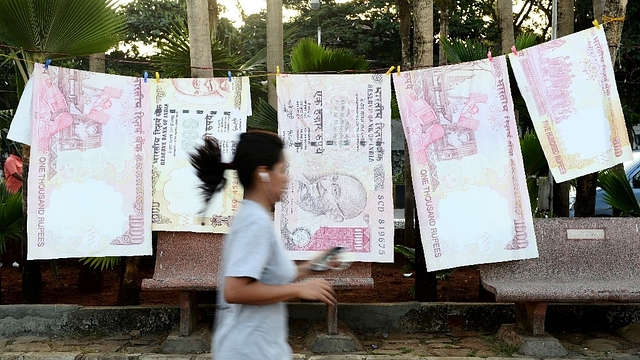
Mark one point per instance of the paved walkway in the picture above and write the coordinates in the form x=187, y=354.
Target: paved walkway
x=451, y=346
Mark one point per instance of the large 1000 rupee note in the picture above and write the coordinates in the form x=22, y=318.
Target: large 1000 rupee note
x=90, y=170
x=337, y=133
x=570, y=90
x=185, y=111
x=466, y=165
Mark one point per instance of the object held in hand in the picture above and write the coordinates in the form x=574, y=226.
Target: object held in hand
x=331, y=256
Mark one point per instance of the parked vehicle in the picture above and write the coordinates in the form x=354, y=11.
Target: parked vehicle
x=632, y=169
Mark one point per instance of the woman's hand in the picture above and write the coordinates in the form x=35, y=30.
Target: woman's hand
x=328, y=259
x=319, y=290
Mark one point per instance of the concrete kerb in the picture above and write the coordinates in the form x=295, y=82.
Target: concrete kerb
x=409, y=317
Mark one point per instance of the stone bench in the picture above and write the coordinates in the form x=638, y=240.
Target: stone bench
x=189, y=262
x=580, y=260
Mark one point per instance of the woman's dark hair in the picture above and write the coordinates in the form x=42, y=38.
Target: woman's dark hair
x=256, y=148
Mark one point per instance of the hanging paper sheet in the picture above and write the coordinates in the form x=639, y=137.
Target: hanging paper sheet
x=184, y=111
x=337, y=134
x=466, y=165
x=20, y=129
x=570, y=91
x=90, y=169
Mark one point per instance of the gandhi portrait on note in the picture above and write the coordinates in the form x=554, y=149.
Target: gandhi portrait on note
x=336, y=196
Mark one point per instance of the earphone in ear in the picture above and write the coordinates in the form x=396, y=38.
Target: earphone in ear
x=264, y=177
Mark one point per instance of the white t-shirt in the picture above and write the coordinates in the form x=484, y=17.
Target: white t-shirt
x=251, y=249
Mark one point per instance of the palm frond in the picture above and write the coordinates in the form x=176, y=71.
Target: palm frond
x=175, y=55
x=101, y=263
x=535, y=163
x=264, y=117
x=308, y=57
x=618, y=192
x=458, y=51
x=526, y=40
x=60, y=28
x=10, y=216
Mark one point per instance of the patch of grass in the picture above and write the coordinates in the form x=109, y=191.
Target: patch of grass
x=471, y=353
x=405, y=350
x=504, y=349
x=499, y=347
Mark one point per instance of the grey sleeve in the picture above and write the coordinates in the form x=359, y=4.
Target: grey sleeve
x=249, y=251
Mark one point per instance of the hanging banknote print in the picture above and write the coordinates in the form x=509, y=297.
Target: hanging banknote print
x=337, y=135
x=185, y=111
x=90, y=170
x=466, y=165
x=570, y=90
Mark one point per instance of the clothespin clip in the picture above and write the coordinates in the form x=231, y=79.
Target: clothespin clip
x=596, y=24
x=278, y=70
x=157, y=77
x=229, y=75
x=390, y=70
x=398, y=68
x=490, y=56
x=46, y=64
x=514, y=50
x=146, y=76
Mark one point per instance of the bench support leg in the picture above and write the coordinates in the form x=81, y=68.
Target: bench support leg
x=530, y=317
x=188, y=312
x=332, y=319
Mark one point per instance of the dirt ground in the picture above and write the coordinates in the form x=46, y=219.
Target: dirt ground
x=389, y=285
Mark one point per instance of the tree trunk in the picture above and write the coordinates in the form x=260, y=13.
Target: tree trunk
x=423, y=57
x=444, y=29
x=199, y=38
x=423, y=33
x=586, y=185
x=90, y=280
x=129, y=291
x=31, y=271
x=213, y=20
x=275, y=47
x=404, y=15
x=426, y=282
x=505, y=16
x=565, y=27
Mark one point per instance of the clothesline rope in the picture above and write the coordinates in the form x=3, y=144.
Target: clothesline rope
x=263, y=73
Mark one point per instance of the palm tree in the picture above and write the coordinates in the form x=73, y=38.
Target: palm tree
x=586, y=185
x=53, y=29
x=426, y=283
x=275, y=46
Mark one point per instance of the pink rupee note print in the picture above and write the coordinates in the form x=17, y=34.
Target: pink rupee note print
x=471, y=193
x=90, y=165
x=569, y=87
x=352, y=239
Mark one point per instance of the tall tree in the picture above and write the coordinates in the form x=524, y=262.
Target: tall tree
x=53, y=29
x=603, y=9
x=426, y=282
x=505, y=17
x=274, y=46
x=199, y=38
x=565, y=27
x=445, y=18
x=404, y=17
x=213, y=20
